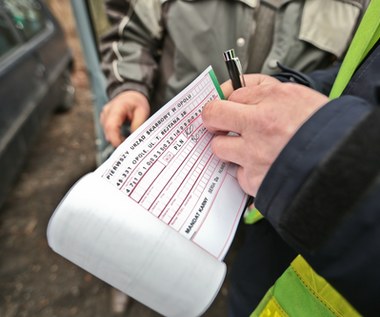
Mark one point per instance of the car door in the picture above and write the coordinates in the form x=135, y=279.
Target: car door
x=22, y=85
x=52, y=52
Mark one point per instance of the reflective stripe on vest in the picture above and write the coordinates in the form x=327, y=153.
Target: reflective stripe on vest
x=365, y=38
x=302, y=292
x=252, y=215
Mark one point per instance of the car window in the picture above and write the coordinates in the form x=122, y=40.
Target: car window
x=27, y=16
x=8, y=39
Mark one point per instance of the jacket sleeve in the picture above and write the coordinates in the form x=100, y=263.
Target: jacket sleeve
x=322, y=195
x=130, y=49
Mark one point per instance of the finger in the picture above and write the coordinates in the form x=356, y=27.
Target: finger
x=246, y=183
x=227, y=88
x=139, y=117
x=253, y=95
x=223, y=115
x=250, y=80
x=229, y=148
x=258, y=79
x=240, y=175
x=112, y=123
x=114, y=136
x=104, y=114
x=110, y=131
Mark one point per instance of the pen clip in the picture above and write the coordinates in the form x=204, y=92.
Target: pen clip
x=239, y=67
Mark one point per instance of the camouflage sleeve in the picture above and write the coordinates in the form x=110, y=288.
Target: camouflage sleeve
x=131, y=48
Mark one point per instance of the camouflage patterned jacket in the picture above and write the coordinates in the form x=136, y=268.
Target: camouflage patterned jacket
x=157, y=47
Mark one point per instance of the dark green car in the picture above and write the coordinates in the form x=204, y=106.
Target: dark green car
x=35, y=69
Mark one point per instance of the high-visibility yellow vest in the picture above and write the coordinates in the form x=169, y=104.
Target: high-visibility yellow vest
x=300, y=291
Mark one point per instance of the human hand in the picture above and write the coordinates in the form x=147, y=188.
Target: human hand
x=130, y=106
x=264, y=116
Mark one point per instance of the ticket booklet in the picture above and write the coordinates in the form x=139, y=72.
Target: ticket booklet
x=157, y=218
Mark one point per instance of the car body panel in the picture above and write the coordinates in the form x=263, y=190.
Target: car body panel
x=31, y=79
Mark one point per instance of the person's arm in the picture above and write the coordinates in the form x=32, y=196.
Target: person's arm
x=312, y=165
x=319, y=152
x=130, y=53
x=322, y=195
x=131, y=49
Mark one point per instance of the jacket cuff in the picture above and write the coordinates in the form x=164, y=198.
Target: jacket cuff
x=281, y=196
x=114, y=91
x=320, y=80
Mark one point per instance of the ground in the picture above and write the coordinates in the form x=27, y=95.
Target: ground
x=34, y=281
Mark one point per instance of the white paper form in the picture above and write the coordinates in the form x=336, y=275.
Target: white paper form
x=167, y=167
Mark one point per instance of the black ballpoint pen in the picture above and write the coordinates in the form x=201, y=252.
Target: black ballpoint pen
x=237, y=78
x=234, y=69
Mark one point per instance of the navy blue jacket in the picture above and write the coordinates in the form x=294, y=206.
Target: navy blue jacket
x=322, y=194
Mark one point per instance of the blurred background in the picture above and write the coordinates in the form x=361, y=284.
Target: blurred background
x=51, y=94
